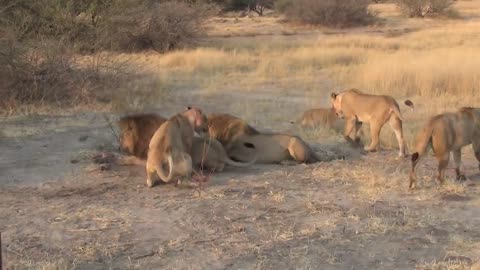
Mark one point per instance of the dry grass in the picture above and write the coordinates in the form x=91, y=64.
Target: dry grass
x=428, y=63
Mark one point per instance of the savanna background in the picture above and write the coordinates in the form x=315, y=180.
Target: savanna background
x=69, y=69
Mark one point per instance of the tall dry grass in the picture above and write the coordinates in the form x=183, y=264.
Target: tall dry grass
x=429, y=63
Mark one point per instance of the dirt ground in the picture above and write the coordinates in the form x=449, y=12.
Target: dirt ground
x=60, y=210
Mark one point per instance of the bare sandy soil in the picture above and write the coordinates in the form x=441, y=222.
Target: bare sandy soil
x=60, y=210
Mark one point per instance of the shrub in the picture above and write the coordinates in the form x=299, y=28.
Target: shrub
x=162, y=26
x=423, y=8
x=40, y=43
x=334, y=13
x=48, y=74
x=106, y=24
x=232, y=5
x=259, y=6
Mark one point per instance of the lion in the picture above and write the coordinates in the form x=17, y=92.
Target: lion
x=227, y=128
x=324, y=117
x=445, y=133
x=311, y=118
x=136, y=130
x=273, y=148
x=355, y=106
x=211, y=155
x=172, y=143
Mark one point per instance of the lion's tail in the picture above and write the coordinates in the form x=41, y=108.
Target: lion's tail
x=240, y=164
x=396, y=111
x=409, y=103
x=423, y=140
x=161, y=173
x=297, y=121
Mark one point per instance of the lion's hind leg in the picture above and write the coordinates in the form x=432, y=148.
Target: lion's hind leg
x=443, y=159
x=457, y=157
x=476, y=150
x=396, y=124
x=298, y=150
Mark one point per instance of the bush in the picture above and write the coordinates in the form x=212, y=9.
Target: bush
x=48, y=74
x=423, y=8
x=40, y=43
x=232, y=5
x=259, y=6
x=162, y=27
x=334, y=13
x=106, y=24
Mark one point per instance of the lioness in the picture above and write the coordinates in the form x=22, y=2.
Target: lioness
x=355, y=106
x=210, y=154
x=272, y=148
x=448, y=132
x=136, y=131
x=227, y=128
x=172, y=143
x=325, y=117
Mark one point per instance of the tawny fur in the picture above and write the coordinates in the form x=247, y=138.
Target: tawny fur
x=209, y=154
x=136, y=130
x=273, y=148
x=324, y=117
x=445, y=133
x=355, y=106
x=172, y=144
x=227, y=128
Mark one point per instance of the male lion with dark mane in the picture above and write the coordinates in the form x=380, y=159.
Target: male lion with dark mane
x=136, y=130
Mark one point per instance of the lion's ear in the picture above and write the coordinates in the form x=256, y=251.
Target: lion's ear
x=333, y=95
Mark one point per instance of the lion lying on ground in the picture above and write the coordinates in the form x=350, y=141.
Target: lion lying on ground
x=272, y=148
x=448, y=132
x=172, y=143
x=227, y=128
x=137, y=130
x=355, y=106
x=209, y=153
